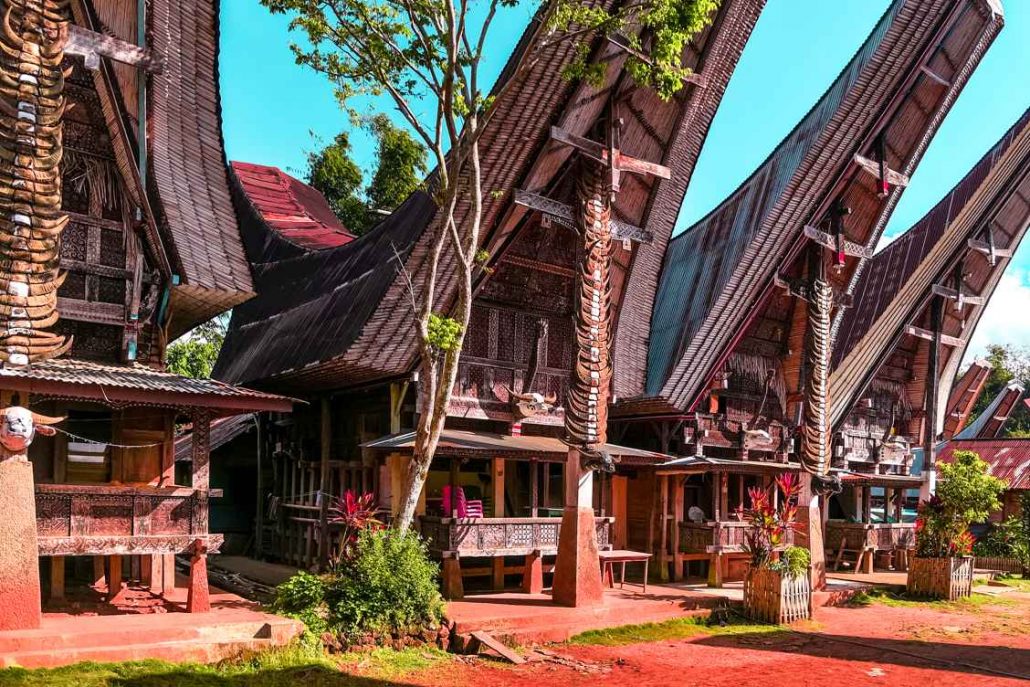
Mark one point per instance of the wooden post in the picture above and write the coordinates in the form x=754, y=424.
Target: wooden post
x=453, y=588
x=198, y=599
x=547, y=485
x=325, y=443
x=677, y=517
x=663, y=550
x=198, y=591
x=533, y=574
x=498, y=494
x=56, y=578
x=888, y=497
x=98, y=572
x=724, y=494
x=259, y=509
x=534, y=496
x=114, y=578
x=717, y=507
x=867, y=504
x=932, y=390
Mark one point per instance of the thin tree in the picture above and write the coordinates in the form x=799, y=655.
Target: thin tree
x=425, y=58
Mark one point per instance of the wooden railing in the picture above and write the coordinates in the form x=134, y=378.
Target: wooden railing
x=714, y=537
x=112, y=520
x=493, y=537
x=880, y=536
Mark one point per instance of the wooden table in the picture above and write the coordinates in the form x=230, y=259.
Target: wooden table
x=610, y=558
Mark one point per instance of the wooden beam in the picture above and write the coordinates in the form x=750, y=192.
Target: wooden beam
x=92, y=46
x=563, y=214
x=934, y=76
x=960, y=297
x=926, y=334
x=622, y=42
x=845, y=246
x=989, y=249
x=894, y=178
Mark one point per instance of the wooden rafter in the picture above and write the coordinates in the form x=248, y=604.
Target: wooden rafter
x=562, y=213
x=926, y=334
x=92, y=45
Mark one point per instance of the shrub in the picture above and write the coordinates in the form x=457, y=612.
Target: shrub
x=388, y=585
x=794, y=561
x=303, y=597
x=966, y=493
x=1000, y=539
x=768, y=526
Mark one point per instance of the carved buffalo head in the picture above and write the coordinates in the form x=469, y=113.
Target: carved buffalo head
x=18, y=427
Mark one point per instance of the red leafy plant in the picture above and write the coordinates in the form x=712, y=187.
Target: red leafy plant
x=769, y=525
x=356, y=514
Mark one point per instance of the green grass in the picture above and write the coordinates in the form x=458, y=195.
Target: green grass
x=1016, y=582
x=680, y=628
x=297, y=665
x=900, y=600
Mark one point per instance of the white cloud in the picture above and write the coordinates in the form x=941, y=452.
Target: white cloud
x=886, y=240
x=1007, y=317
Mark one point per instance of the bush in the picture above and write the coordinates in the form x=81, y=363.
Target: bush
x=794, y=561
x=1000, y=540
x=389, y=585
x=303, y=597
x=966, y=493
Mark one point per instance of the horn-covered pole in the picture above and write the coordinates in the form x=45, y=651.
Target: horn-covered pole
x=32, y=37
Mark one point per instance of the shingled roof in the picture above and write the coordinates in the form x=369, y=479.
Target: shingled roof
x=718, y=271
x=896, y=288
x=352, y=305
x=281, y=216
x=190, y=171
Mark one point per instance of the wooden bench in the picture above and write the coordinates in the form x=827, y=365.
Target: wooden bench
x=610, y=558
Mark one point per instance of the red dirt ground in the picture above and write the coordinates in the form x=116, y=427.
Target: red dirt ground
x=872, y=645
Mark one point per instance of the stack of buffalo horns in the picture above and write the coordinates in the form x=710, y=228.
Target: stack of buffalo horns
x=31, y=109
x=586, y=413
x=815, y=457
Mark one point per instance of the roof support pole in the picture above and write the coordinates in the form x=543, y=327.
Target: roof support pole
x=932, y=391
x=323, y=484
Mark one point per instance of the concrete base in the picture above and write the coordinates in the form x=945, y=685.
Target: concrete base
x=19, y=551
x=577, y=572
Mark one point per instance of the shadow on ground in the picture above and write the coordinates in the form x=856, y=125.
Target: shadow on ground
x=966, y=658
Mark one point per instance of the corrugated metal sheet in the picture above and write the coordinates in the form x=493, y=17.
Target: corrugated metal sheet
x=1009, y=459
x=965, y=395
x=717, y=270
x=295, y=211
x=459, y=443
x=989, y=423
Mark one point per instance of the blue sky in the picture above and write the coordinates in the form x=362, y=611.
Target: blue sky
x=273, y=109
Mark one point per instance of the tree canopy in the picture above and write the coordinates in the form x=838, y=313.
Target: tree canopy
x=1009, y=363
x=400, y=167
x=194, y=354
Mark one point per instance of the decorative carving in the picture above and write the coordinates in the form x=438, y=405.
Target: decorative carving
x=18, y=427
x=31, y=221
x=586, y=414
x=815, y=458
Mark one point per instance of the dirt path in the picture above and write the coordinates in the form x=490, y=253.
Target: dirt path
x=842, y=647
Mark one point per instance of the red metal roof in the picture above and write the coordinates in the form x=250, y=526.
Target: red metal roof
x=1009, y=458
x=297, y=212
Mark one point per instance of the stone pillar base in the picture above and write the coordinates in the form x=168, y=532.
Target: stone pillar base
x=577, y=572
x=19, y=555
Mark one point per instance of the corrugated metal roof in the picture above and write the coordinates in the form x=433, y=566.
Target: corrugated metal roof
x=223, y=430
x=461, y=443
x=989, y=423
x=1009, y=459
x=288, y=206
x=134, y=384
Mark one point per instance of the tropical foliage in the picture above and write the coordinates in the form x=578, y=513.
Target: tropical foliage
x=965, y=494
x=194, y=354
x=355, y=514
x=768, y=526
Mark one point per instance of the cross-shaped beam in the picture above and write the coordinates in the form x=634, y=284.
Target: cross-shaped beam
x=989, y=249
x=563, y=214
x=609, y=155
x=92, y=46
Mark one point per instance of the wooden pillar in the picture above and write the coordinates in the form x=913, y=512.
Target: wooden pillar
x=56, y=578
x=547, y=485
x=534, y=487
x=677, y=518
x=146, y=571
x=715, y=566
x=724, y=495
x=867, y=504
x=929, y=485
x=497, y=475
x=453, y=588
x=98, y=572
x=198, y=599
x=888, y=498
x=114, y=578
x=325, y=444
x=259, y=507
x=663, y=550
x=395, y=463
x=899, y=505
x=717, y=506
x=533, y=574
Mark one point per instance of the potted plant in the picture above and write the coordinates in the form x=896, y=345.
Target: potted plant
x=777, y=588
x=943, y=564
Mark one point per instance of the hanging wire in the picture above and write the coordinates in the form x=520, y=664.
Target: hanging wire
x=105, y=443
